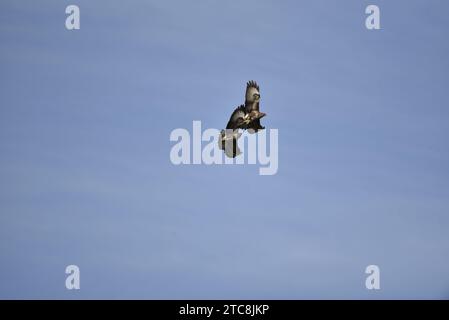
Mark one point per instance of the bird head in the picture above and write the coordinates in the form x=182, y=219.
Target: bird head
x=255, y=115
x=258, y=115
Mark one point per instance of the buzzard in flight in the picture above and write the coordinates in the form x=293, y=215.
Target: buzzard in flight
x=245, y=117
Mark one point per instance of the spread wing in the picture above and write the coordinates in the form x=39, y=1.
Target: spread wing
x=252, y=89
x=252, y=86
x=237, y=118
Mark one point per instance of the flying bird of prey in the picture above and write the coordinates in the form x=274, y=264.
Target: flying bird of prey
x=245, y=117
x=252, y=99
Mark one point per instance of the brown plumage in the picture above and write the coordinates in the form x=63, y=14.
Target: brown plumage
x=246, y=117
x=252, y=99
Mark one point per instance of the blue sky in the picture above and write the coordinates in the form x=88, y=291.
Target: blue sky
x=86, y=178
